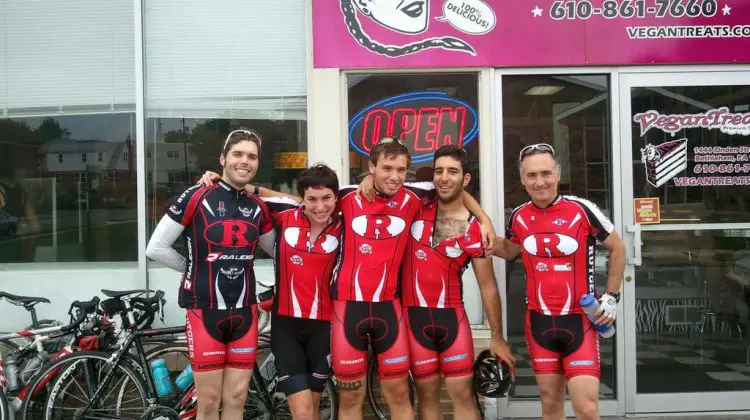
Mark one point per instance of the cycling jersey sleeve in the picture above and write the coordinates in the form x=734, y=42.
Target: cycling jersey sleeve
x=421, y=189
x=265, y=225
x=183, y=210
x=510, y=232
x=472, y=245
x=277, y=205
x=160, y=245
x=600, y=224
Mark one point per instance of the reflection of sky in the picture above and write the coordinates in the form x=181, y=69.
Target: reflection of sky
x=105, y=127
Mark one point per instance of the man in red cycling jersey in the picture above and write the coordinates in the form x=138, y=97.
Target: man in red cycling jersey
x=366, y=309
x=221, y=226
x=557, y=236
x=444, y=238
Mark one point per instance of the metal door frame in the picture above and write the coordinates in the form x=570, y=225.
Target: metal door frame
x=532, y=408
x=645, y=77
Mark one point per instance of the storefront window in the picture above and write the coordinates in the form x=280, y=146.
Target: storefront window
x=67, y=132
x=691, y=150
x=571, y=113
x=211, y=70
x=426, y=111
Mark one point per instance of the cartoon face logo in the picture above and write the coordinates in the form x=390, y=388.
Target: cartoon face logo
x=408, y=17
x=232, y=272
x=378, y=226
x=403, y=16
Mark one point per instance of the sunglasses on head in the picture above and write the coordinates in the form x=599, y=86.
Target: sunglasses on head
x=536, y=148
x=253, y=136
x=388, y=140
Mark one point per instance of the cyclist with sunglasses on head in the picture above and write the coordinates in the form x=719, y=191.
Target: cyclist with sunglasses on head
x=366, y=310
x=221, y=226
x=556, y=236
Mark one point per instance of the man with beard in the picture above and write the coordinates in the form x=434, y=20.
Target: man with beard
x=221, y=226
x=444, y=236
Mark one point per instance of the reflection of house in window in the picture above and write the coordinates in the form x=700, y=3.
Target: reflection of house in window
x=83, y=157
x=173, y=154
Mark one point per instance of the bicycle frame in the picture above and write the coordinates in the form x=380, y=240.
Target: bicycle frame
x=135, y=339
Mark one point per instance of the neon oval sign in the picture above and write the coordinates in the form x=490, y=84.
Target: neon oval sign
x=424, y=120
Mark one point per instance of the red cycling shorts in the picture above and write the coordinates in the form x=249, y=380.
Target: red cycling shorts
x=355, y=325
x=440, y=342
x=222, y=338
x=562, y=345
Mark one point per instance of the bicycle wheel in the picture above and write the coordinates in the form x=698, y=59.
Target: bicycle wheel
x=4, y=413
x=374, y=395
x=77, y=378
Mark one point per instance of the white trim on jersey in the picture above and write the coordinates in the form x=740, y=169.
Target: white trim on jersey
x=600, y=221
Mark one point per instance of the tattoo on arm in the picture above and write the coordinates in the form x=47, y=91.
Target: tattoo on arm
x=349, y=386
x=447, y=227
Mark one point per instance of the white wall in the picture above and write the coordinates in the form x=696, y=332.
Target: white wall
x=61, y=284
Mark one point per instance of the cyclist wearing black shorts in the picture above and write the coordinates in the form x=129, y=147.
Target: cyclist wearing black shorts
x=221, y=226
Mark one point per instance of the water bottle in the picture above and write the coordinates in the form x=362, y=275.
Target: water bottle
x=161, y=377
x=11, y=373
x=590, y=305
x=33, y=366
x=185, y=379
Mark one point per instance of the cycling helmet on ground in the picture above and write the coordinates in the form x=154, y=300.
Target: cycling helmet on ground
x=492, y=378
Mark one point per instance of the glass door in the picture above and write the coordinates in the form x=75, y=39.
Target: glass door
x=686, y=147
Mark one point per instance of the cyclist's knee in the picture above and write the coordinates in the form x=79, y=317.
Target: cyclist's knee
x=209, y=400
x=460, y=389
x=396, y=391
x=234, y=395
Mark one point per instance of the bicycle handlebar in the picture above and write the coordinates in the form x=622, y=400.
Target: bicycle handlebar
x=84, y=308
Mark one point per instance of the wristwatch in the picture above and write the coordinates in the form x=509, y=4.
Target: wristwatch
x=256, y=190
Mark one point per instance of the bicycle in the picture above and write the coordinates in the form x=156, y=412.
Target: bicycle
x=14, y=380
x=98, y=368
x=377, y=404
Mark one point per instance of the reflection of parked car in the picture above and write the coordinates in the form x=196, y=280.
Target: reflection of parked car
x=8, y=224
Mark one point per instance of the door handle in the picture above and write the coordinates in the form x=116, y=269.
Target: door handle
x=636, y=231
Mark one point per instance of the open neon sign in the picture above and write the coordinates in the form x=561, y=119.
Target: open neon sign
x=424, y=120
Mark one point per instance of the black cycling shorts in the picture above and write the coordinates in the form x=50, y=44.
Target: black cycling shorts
x=301, y=349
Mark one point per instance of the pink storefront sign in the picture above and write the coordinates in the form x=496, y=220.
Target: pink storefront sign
x=515, y=33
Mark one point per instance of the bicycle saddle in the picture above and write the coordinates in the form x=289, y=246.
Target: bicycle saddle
x=116, y=294
x=23, y=300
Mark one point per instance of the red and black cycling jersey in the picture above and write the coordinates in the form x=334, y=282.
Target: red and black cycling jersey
x=222, y=227
x=558, y=244
x=303, y=269
x=431, y=276
x=375, y=235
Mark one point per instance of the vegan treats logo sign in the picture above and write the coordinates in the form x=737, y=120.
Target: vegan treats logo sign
x=411, y=18
x=712, y=165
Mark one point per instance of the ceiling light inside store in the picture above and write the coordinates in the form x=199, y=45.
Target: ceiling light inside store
x=543, y=90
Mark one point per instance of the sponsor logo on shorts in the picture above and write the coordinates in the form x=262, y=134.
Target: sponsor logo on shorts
x=242, y=350
x=545, y=360
x=352, y=362
x=424, y=362
x=456, y=357
x=393, y=360
x=213, y=353
x=581, y=363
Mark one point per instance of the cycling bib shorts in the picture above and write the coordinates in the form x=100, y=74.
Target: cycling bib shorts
x=562, y=345
x=440, y=342
x=379, y=324
x=301, y=349
x=222, y=338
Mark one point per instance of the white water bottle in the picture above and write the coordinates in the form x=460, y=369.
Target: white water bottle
x=590, y=305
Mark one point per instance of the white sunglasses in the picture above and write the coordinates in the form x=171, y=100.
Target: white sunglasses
x=540, y=147
x=251, y=134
